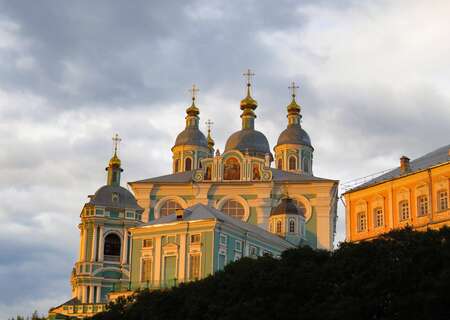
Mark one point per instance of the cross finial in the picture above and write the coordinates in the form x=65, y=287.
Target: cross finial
x=249, y=74
x=116, y=140
x=194, y=91
x=209, y=124
x=293, y=88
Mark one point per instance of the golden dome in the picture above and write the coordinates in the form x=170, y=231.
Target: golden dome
x=115, y=161
x=293, y=106
x=193, y=110
x=248, y=102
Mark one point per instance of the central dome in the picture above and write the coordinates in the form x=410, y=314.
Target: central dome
x=294, y=134
x=248, y=140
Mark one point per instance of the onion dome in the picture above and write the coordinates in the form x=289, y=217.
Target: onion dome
x=294, y=133
x=115, y=161
x=286, y=206
x=248, y=140
x=192, y=135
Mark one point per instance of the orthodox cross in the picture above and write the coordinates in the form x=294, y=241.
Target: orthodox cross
x=116, y=140
x=249, y=74
x=194, y=91
x=293, y=88
x=209, y=124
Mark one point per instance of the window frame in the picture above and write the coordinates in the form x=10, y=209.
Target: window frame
x=290, y=158
x=402, y=205
x=361, y=221
x=194, y=236
x=423, y=206
x=442, y=199
x=378, y=217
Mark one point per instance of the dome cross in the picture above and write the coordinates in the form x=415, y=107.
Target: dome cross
x=116, y=141
x=249, y=74
x=293, y=88
x=194, y=91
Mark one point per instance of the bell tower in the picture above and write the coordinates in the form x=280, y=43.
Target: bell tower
x=104, y=256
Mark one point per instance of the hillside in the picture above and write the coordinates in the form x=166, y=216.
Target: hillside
x=403, y=275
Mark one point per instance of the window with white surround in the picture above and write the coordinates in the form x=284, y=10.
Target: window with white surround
x=378, y=217
x=361, y=221
x=223, y=239
x=238, y=246
x=422, y=205
x=194, y=267
x=130, y=215
x=292, y=226
x=195, y=238
x=442, y=200
x=146, y=270
x=234, y=209
x=403, y=209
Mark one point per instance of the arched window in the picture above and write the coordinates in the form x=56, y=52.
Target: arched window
x=188, y=164
x=207, y=175
x=280, y=163
x=278, y=226
x=361, y=221
x=292, y=163
x=403, y=209
x=177, y=165
x=378, y=217
x=232, y=169
x=292, y=226
x=111, y=251
x=169, y=207
x=271, y=227
x=234, y=209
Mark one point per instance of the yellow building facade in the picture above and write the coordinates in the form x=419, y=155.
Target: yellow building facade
x=415, y=194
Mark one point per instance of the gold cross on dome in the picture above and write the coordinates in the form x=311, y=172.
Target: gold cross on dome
x=194, y=91
x=293, y=88
x=249, y=74
x=209, y=124
x=116, y=140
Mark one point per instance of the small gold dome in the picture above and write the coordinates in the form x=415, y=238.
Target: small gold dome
x=193, y=110
x=293, y=106
x=248, y=102
x=115, y=161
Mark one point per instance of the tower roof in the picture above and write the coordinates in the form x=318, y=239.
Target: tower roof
x=286, y=206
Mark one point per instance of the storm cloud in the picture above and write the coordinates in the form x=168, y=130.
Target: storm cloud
x=373, y=81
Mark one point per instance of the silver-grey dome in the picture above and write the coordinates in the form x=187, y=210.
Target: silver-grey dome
x=191, y=136
x=248, y=140
x=294, y=134
x=104, y=197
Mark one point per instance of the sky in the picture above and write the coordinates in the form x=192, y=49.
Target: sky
x=374, y=85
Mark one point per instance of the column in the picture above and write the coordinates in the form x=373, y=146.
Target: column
x=182, y=258
x=81, y=245
x=83, y=294
x=157, y=262
x=124, y=246
x=100, y=243
x=94, y=244
x=99, y=291
x=85, y=239
x=91, y=295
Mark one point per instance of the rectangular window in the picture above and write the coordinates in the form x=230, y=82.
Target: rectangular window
x=146, y=270
x=404, y=210
x=443, y=200
x=195, y=238
x=238, y=245
x=422, y=206
x=147, y=243
x=223, y=239
x=194, y=267
x=378, y=217
x=130, y=215
x=99, y=212
x=361, y=221
x=253, y=251
x=222, y=259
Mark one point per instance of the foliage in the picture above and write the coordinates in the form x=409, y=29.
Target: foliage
x=34, y=316
x=402, y=275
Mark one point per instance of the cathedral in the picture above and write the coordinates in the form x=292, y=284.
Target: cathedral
x=212, y=209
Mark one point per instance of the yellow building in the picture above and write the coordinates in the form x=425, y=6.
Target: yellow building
x=414, y=194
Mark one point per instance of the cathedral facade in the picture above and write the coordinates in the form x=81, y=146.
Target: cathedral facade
x=242, y=181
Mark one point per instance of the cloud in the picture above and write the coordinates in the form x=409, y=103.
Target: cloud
x=373, y=76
